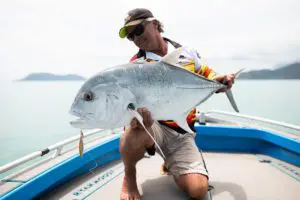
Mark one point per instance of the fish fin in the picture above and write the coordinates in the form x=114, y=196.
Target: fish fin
x=172, y=58
x=230, y=95
x=231, y=99
x=238, y=73
x=183, y=124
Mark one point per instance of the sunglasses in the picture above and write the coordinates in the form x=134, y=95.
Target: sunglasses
x=139, y=30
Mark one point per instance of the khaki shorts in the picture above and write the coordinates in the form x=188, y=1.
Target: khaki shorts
x=182, y=154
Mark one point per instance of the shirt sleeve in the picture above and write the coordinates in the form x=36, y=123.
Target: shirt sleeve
x=191, y=60
x=133, y=58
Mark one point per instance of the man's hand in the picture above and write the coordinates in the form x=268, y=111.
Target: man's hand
x=148, y=121
x=227, y=80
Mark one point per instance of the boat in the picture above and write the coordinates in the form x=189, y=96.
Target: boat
x=246, y=157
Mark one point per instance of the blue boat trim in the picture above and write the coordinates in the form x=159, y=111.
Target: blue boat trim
x=248, y=140
x=103, y=153
x=208, y=138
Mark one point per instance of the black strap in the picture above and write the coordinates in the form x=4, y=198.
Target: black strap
x=151, y=150
x=45, y=151
x=175, y=44
x=141, y=53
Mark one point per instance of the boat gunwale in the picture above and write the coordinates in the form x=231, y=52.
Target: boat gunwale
x=75, y=165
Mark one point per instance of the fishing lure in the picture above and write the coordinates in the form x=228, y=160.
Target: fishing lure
x=80, y=146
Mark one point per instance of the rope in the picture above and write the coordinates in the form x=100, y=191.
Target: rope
x=132, y=110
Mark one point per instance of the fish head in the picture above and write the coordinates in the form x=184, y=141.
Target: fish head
x=90, y=106
x=100, y=104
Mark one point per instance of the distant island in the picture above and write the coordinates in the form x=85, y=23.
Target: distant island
x=291, y=71
x=52, y=77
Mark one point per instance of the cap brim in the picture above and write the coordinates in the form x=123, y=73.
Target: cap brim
x=123, y=32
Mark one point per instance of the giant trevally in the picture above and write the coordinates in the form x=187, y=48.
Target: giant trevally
x=167, y=90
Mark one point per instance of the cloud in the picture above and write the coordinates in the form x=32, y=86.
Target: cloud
x=81, y=36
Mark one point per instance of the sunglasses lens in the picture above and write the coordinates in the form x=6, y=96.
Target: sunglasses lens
x=130, y=37
x=139, y=30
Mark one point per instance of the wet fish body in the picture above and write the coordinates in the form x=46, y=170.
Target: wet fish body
x=167, y=90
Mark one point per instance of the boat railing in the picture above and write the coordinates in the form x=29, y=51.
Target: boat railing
x=292, y=131
x=55, y=149
x=253, y=121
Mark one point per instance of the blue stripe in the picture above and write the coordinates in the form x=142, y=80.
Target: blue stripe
x=248, y=140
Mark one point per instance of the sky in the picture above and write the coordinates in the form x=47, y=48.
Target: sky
x=81, y=37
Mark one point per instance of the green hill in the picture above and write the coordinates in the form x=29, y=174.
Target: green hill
x=291, y=71
x=52, y=77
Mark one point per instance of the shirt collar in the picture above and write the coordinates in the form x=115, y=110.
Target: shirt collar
x=153, y=56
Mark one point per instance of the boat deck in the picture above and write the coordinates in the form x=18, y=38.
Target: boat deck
x=31, y=171
x=233, y=176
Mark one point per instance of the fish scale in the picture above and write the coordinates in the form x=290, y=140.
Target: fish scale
x=166, y=89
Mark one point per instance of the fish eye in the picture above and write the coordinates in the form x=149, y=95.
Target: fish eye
x=88, y=96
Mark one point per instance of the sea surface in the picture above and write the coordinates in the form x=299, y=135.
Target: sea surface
x=34, y=115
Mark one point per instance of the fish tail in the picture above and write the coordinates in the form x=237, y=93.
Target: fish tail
x=230, y=95
x=231, y=100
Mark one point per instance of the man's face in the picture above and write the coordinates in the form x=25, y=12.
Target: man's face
x=147, y=40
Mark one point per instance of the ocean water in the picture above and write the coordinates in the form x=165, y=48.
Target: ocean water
x=34, y=115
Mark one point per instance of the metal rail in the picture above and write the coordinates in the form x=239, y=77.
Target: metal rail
x=57, y=148
x=255, y=120
x=286, y=125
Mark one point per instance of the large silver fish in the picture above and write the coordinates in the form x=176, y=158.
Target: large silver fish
x=167, y=90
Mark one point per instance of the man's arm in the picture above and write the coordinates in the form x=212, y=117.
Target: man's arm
x=227, y=79
x=192, y=61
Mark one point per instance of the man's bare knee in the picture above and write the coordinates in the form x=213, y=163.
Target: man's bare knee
x=195, y=185
x=133, y=145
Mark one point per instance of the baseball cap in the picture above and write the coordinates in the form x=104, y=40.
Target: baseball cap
x=135, y=17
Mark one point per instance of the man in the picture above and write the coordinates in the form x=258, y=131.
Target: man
x=183, y=159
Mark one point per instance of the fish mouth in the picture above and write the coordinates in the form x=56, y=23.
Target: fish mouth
x=83, y=121
x=82, y=124
x=79, y=123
